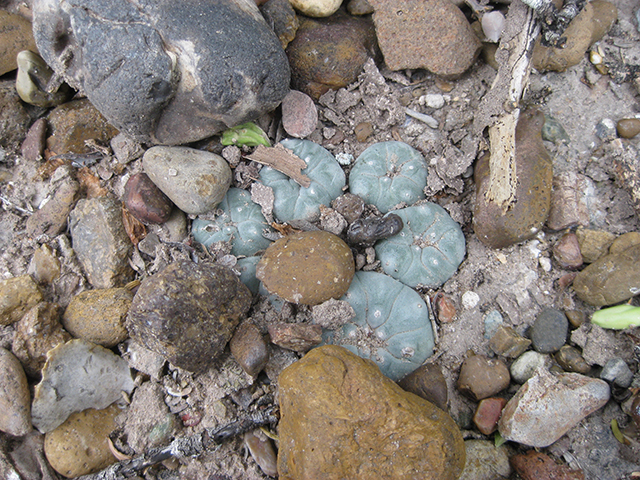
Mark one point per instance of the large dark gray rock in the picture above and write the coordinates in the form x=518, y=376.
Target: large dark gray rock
x=165, y=71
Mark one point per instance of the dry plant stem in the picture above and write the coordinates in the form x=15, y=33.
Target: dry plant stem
x=185, y=447
x=499, y=109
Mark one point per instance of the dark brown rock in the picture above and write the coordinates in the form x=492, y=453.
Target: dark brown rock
x=481, y=377
x=612, y=279
x=341, y=418
x=566, y=251
x=434, y=35
x=299, y=114
x=299, y=337
x=99, y=315
x=249, y=348
x=34, y=143
x=429, y=383
x=307, y=267
x=350, y=206
x=488, y=413
x=509, y=343
x=100, y=241
x=535, y=465
x=363, y=131
x=188, y=312
x=37, y=332
x=74, y=122
x=329, y=53
x=527, y=214
x=145, y=201
x=571, y=360
x=281, y=16
x=51, y=219
x=628, y=127
x=445, y=308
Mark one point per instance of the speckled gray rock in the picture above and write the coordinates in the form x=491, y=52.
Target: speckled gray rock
x=523, y=368
x=485, y=461
x=549, y=331
x=165, y=72
x=548, y=406
x=100, y=241
x=188, y=312
x=15, y=418
x=617, y=371
x=195, y=180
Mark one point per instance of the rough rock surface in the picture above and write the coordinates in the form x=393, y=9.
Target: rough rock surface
x=17, y=296
x=15, y=36
x=187, y=313
x=548, y=406
x=15, y=418
x=448, y=46
x=165, y=72
x=341, y=418
x=100, y=241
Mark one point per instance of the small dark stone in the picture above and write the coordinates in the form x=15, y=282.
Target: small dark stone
x=429, y=383
x=549, y=331
x=571, y=360
x=187, y=313
x=366, y=232
x=145, y=201
x=249, y=348
x=617, y=371
x=576, y=317
x=281, y=16
x=350, y=206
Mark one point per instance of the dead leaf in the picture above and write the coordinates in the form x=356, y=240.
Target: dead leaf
x=283, y=228
x=283, y=160
x=135, y=228
x=90, y=183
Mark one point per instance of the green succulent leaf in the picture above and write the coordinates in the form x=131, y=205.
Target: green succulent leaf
x=618, y=317
x=245, y=135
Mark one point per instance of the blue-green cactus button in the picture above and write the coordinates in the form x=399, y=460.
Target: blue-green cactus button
x=387, y=174
x=391, y=326
x=241, y=222
x=293, y=202
x=427, y=251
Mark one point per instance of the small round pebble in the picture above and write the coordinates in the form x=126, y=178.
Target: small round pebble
x=363, y=131
x=145, y=201
x=316, y=8
x=481, y=377
x=249, y=348
x=571, y=360
x=79, y=446
x=470, y=299
x=524, y=367
x=628, y=127
x=549, y=331
x=617, y=371
x=15, y=399
x=299, y=114
x=307, y=267
x=99, y=315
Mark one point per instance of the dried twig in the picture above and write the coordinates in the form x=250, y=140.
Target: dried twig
x=185, y=447
x=283, y=160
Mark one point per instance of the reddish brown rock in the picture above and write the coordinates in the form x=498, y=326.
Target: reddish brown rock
x=249, y=348
x=341, y=418
x=145, y=201
x=488, y=413
x=434, y=35
x=51, y=219
x=299, y=337
x=481, y=377
x=299, y=114
x=566, y=251
x=535, y=465
x=34, y=143
x=329, y=53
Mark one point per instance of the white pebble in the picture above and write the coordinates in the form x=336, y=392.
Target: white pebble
x=428, y=119
x=432, y=100
x=344, y=158
x=545, y=264
x=493, y=25
x=470, y=299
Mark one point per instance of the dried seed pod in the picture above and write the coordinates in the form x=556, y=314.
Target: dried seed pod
x=365, y=232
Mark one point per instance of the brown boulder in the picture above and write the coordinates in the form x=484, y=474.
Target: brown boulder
x=341, y=418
